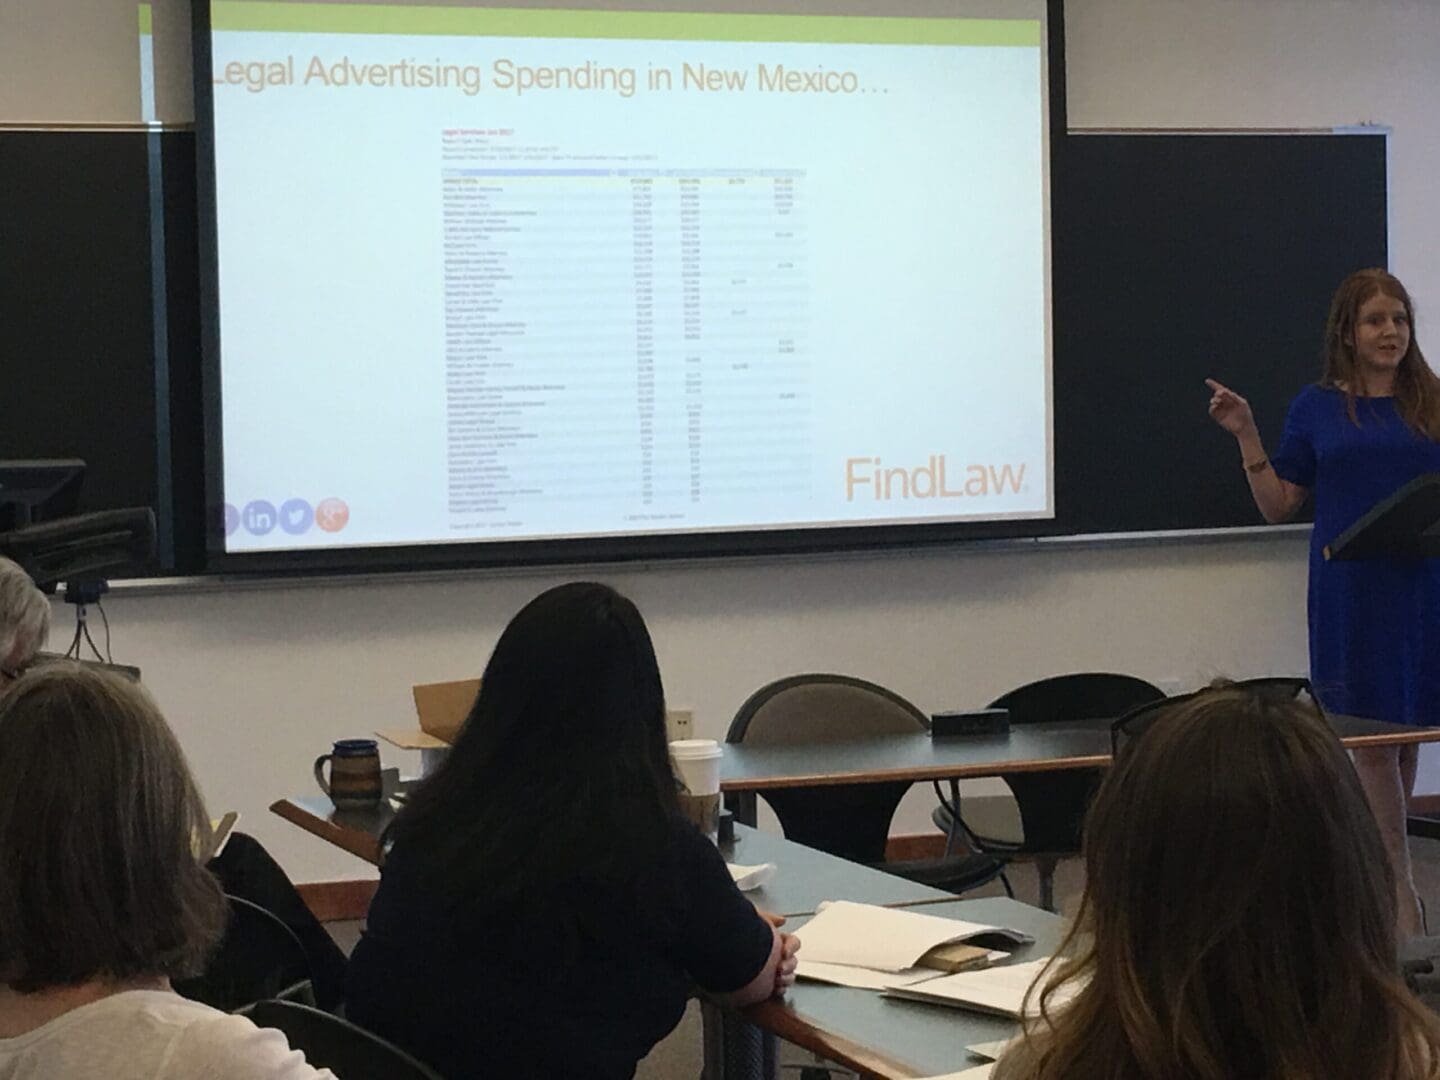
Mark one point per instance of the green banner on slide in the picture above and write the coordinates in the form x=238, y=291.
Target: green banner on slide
x=627, y=25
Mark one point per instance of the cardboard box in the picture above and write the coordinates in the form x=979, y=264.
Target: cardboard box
x=442, y=709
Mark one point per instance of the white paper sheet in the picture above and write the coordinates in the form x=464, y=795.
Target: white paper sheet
x=747, y=878
x=998, y=990
x=861, y=978
x=979, y=1072
x=885, y=939
x=991, y=1050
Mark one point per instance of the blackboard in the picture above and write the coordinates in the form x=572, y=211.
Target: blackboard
x=1179, y=257
x=1176, y=257
x=99, y=321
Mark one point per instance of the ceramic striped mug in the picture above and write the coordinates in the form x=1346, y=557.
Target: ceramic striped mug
x=354, y=774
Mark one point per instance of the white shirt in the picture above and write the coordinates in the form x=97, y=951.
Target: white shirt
x=152, y=1035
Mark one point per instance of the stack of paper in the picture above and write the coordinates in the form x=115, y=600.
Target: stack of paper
x=997, y=990
x=887, y=939
x=861, y=978
x=875, y=948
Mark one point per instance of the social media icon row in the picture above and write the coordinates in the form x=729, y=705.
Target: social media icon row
x=294, y=516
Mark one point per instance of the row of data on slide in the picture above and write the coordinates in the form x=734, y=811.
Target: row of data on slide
x=676, y=355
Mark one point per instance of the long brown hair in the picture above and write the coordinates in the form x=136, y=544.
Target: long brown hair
x=98, y=821
x=1417, y=389
x=1238, y=919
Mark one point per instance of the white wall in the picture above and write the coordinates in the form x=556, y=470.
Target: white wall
x=1279, y=63
x=258, y=681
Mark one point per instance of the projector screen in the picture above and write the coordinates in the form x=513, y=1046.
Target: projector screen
x=488, y=274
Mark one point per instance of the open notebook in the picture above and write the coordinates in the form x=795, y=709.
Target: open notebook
x=997, y=990
x=888, y=939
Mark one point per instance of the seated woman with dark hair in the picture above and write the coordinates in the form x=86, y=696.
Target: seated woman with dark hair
x=102, y=900
x=544, y=909
x=1238, y=917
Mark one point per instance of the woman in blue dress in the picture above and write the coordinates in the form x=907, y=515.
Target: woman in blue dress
x=1369, y=426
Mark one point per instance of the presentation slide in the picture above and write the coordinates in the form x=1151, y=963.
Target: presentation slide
x=500, y=273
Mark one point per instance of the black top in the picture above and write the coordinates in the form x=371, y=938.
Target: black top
x=517, y=994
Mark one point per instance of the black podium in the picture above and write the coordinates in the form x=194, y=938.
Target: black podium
x=1404, y=526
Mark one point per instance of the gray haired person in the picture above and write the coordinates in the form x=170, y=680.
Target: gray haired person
x=24, y=621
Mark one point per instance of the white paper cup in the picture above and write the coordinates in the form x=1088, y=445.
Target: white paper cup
x=697, y=766
x=697, y=763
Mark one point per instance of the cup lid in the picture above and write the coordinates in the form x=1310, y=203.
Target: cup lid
x=689, y=749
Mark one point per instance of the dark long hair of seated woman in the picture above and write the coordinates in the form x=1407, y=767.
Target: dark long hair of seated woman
x=544, y=908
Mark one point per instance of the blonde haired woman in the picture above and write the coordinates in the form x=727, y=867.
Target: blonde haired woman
x=1238, y=916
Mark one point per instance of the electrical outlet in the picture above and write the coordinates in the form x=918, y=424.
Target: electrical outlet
x=680, y=724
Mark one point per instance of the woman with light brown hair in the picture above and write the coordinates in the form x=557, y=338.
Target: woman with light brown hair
x=1370, y=426
x=102, y=900
x=1238, y=917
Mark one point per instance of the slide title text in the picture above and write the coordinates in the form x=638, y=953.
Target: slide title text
x=508, y=76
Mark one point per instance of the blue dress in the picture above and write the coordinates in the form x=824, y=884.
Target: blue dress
x=1374, y=623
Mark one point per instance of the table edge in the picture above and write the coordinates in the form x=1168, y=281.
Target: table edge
x=361, y=845
x=779, y=1018
x=955, y=771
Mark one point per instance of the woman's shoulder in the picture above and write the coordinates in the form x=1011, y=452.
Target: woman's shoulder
x=1315, y=404
x=158, y=1033
x=688, y=844
x=1318, y=393
x=229, y=1047
x=146, y=1015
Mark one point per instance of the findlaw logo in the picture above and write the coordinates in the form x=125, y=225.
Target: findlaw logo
x=869, y=478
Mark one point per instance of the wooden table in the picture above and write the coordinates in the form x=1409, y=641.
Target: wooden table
x=896, y=1039
x=1083, y=744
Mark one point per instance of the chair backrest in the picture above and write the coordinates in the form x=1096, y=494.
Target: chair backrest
x=819, y=707
x=328, y=1042
x=258, y=958
x=1053, y=805
x=1085, y=695
x=1280, y=688
x=849, y=820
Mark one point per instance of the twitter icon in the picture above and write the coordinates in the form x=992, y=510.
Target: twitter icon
x=296, y=516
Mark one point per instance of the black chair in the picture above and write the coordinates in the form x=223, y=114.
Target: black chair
x=258, y=958
x=328, y=1042
x=1274, y=688
x=848, y=820
x=1052, y=804
x=1423, y=825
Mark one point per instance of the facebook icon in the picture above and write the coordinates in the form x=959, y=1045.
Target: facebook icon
x=259, y=517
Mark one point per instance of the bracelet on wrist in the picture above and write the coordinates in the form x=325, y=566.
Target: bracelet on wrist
x=1256, y=466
